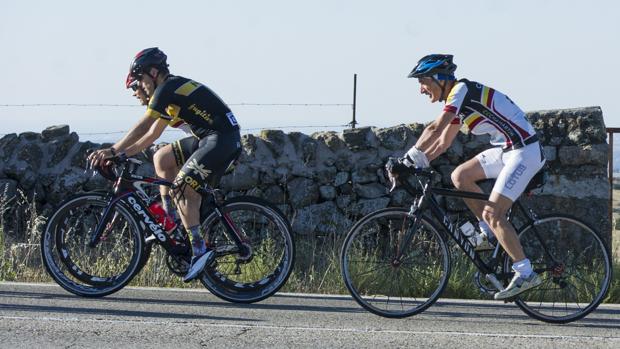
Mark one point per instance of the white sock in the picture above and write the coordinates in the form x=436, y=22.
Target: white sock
x=484, y=228
x=523, y=268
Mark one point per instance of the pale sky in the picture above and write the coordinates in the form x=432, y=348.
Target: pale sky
x=543, y=54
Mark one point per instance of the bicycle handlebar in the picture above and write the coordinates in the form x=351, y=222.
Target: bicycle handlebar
x=107, y=170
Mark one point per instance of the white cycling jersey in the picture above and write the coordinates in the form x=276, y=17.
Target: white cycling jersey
x=487, y=111
x=517, y=155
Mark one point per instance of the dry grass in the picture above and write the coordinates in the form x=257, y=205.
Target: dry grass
x=317, y=265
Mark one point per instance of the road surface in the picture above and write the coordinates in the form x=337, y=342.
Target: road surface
x=44, y=315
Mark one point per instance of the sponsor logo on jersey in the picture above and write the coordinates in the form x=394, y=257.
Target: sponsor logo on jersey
x=202, y=113
x=231, y=118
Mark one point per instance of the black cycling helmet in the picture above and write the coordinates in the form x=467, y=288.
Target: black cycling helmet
x=434, y=65
x=145, y=59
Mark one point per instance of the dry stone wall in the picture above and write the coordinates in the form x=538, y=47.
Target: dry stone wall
x=327, y=180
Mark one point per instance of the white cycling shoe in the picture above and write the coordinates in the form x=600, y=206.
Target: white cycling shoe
x=519, y=285
x=198, y=265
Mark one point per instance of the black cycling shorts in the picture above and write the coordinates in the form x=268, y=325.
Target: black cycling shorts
x=204, y=161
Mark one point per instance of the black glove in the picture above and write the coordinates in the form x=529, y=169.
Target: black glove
x=107, y=170
x=396, y=166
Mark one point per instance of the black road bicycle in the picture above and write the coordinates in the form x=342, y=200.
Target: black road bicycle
x=396, y=261
x=96, y=242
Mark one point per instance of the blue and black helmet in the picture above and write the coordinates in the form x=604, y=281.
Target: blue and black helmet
x=434, y=65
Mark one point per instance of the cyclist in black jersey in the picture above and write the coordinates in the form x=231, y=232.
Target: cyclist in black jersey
x=515, y=158
x=164, y=160
x=215, y=144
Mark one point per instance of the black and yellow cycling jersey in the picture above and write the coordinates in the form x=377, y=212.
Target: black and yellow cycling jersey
x=180, y=100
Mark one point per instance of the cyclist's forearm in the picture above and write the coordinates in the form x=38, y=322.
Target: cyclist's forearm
x=138, y=146
x=442, y=143
x=428, y=138
x=137, y=132
x=147, y=139
x=434, y=151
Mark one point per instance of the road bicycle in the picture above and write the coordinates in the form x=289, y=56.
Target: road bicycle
x=96, y=242
x=396, y=261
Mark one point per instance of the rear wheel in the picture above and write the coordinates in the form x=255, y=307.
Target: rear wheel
x=236, y=276
x=573, y=263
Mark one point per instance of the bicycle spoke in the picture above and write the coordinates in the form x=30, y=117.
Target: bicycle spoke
x=388, y=287
x=571, y=290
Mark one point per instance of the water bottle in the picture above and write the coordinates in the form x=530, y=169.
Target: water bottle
x=470, y=232
x=161, y=217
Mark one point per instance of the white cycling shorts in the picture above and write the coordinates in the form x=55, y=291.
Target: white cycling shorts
x=513, y=169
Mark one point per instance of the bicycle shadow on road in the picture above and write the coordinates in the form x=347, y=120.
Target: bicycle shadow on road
x=510, y=313
x=266, y=305
x=79, y=309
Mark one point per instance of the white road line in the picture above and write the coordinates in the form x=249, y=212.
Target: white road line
x=312, y=329
x=290, y=294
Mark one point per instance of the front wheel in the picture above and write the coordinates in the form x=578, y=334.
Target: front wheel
x=92, y=271
x=573, y=263
x=264, y=264
x=384, y=282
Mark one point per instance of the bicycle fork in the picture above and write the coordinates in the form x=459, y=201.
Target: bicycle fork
x=408, y=229
x=105, y=224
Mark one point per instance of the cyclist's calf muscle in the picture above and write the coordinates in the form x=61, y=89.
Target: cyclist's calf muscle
x=494, y=214
x=185, y=199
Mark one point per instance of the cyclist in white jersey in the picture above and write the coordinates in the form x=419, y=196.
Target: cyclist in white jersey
x=515, y=158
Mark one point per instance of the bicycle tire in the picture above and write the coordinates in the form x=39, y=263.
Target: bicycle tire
x=270, y=236
x=380, y=283
x=577, y=282
x=67, y=231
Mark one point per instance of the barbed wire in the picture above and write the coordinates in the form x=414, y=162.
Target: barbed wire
x=35, y=105
x=181, y=131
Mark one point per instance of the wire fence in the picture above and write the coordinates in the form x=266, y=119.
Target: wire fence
x=36, y=105
x=173, y=131
x=350, y=124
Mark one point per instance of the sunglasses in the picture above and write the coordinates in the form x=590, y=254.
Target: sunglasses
x=134, y=85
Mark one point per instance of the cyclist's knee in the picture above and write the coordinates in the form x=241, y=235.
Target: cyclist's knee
x=489, y=215
x=493, y=216
x=164, y=162
x=460, y=178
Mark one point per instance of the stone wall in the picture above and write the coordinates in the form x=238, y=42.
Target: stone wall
x=327, y=180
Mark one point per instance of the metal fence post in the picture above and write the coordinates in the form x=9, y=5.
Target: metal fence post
x=610, y=159
x=354, y=122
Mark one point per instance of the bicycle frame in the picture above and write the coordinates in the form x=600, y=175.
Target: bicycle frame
x=128, y=189
x=427, y=201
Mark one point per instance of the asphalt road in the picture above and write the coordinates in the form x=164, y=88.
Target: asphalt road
x=35, y=316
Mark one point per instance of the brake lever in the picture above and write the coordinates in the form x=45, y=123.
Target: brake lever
x=393, y=181
x=89, y=168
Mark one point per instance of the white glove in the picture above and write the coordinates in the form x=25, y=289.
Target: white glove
x=415, y=158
